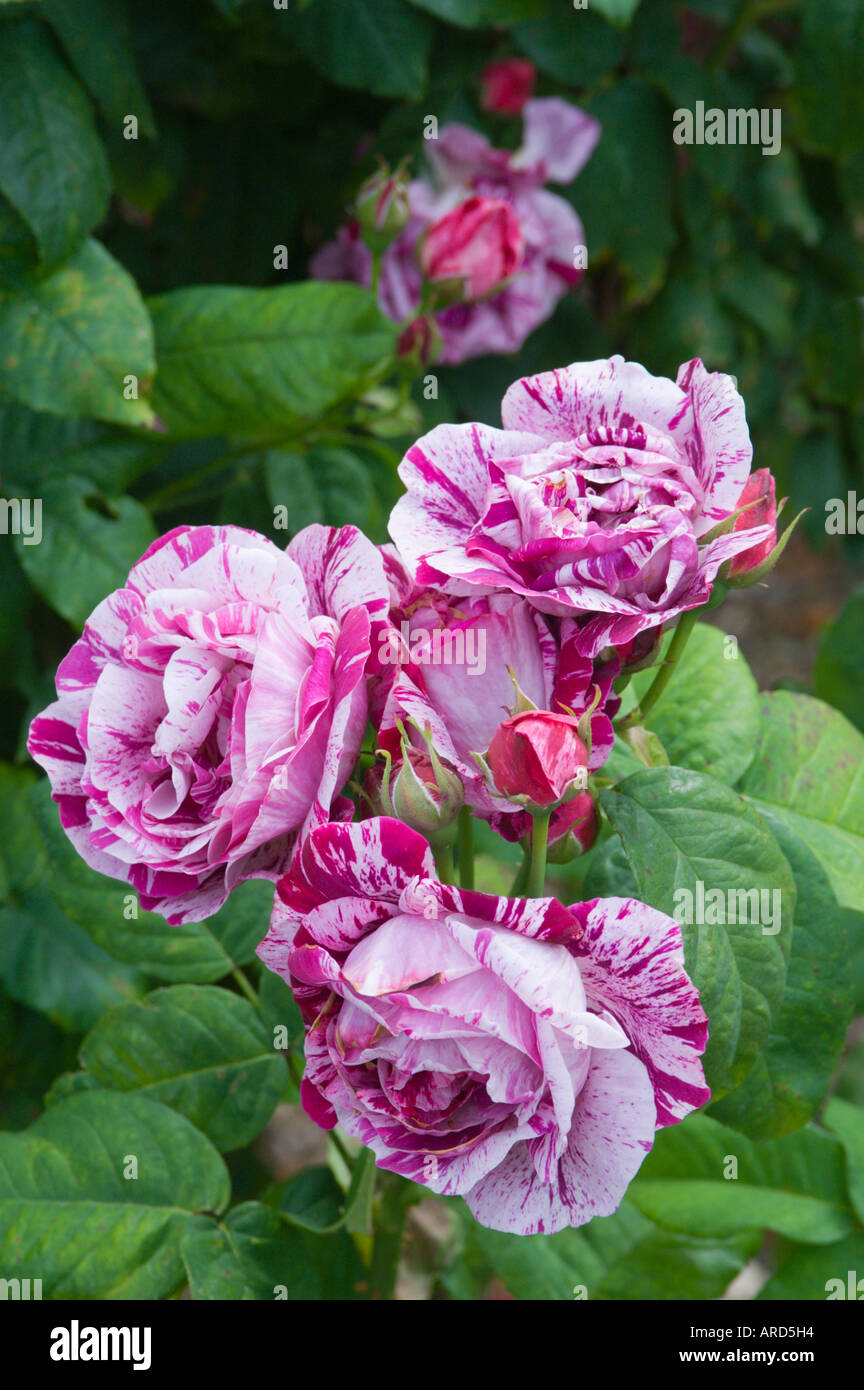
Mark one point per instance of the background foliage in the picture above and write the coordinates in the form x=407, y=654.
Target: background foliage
x=153, y=258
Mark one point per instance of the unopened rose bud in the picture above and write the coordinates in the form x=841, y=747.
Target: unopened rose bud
x=382, y=207
x=473, y=248
x=538, y=757
x=420, y=340
x=572, y=829
x=758, y=490
x=419, y=790
x=506, y=86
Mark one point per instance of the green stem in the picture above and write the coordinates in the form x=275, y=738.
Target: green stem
x=466, y=849
x=245, y=986
x=391, y=1207
x=444, y=863
x=685, y=626
x=539, y=841
x=520, y=882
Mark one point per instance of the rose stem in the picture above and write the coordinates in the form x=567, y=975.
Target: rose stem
x=539, y=838
x=466, y=849
x=684, y=627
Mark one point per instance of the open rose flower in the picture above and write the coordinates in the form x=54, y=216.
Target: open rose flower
x=558, y=140
x=516, y=1052
x=211, y=708
x=594, y=501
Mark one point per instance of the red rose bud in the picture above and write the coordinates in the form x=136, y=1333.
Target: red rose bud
x=477, y=245
x=420, y=340
x=759, y=489
x=572, y=829
x=506, y=86
x=382, y=206
x=538, y=757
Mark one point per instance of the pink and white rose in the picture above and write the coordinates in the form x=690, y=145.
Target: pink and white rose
x=213, y=708
x=594, y=502
x=515, y=1052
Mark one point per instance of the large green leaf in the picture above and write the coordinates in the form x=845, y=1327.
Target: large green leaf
x=72, y=340
x=199, y=1049
x=624, y=1256
x=791, y=1075
x=708, y=716
x=106, y=66
x=379, y=46
x=474, y=14
x=47, y=960
x=681, y=828
x=573, y=48
x=830, y=58
x=89, y=543
x=847, y=1122
x=633, y=163
x=250, y=1254
x=53, y=167
x=192, y=952
x=806, y=1272
x=795, y=1185
x=838, y=676
x=257, y=360
x=96, y=1195
x=809, y=769
x=329, y=484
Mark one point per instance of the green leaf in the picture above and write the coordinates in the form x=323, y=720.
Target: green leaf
x=47, y=961
x=71, y=340
x=617, y=11
x=623, y=1256
x=71, y=1217
x=201, y=1050
x=805, y=1272
x=88, y=545
x=95, y=35
x=847, y=1122
x=632, y=164
x=234, y=360
x=794, y=1185
x=474, y=14
x=53, y=167
x=191, y=952
x=314, y=1201
x=809, y=770
x=708, y=716
x=830, y=58
x=680, y=828
x=250, y=1254
x=329, y=484
x=379, y=46
x=573, y=47
x=838, y=676
x=32, y=1051
x=791, y=1076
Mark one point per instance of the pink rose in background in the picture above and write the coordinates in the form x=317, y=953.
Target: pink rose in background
x=515, y=1052
x=506, y=86
x=593, y=502
x=211, y=708
x=479, y=242
x=558, y=139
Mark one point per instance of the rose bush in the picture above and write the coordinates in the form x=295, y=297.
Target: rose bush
x=516, y=1052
